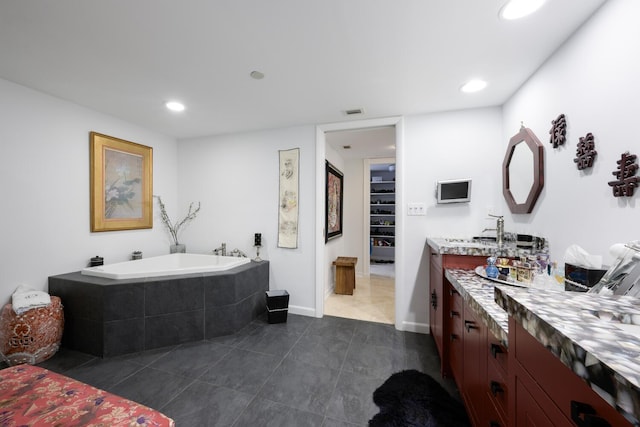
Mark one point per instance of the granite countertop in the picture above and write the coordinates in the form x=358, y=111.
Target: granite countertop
x=603, y=355
x=463, y=246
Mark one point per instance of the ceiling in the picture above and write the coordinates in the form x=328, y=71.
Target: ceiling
x=127, y=58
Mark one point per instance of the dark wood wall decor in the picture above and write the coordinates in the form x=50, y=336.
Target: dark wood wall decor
x=525, y=136
x=626, y=181
x=558, y=131
x=586, y=152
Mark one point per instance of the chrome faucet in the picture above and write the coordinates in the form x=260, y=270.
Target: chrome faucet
x=499, y=229
x=222, y=250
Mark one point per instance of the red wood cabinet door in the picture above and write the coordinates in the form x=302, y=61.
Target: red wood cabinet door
x=436, y=309
x=474, y=376
x=455, y=331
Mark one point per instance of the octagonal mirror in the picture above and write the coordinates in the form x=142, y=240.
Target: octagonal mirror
x=523, y=171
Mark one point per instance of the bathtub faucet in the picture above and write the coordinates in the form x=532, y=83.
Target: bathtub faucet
x=238, y=253
x=222, y=250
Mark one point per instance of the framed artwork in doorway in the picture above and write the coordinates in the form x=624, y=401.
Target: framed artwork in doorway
x=333, y=202
x=121, y=179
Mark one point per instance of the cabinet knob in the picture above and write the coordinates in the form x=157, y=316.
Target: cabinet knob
x=469, y=325
x=434, y=299
x=454, y=313
x=584, y=415
x=495, y=350
x=496, y=388
x=452, y=292
x=453, y=337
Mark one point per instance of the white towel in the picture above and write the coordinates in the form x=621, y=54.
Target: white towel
x=24, y=299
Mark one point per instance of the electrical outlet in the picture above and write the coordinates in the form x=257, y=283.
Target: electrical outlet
x=416, y=209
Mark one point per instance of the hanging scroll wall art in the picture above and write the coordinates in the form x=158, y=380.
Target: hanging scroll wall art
x=288, y=198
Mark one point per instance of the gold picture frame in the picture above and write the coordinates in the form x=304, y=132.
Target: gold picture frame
x=121, y=184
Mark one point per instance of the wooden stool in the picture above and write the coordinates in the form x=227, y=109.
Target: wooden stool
x=345, y=274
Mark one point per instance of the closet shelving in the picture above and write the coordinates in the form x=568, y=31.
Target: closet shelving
x=382, y=215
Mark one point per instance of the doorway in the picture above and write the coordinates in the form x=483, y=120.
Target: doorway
x=368, y=158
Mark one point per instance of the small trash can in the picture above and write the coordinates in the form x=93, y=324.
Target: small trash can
x=277, y=306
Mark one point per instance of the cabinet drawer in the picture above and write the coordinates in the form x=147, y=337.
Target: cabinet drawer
x=455, y=302
x=497, y=354
x=560, y=384
x=497, y=388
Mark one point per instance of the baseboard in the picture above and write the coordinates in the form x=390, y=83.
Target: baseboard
x=303, y=311
x=420, y=328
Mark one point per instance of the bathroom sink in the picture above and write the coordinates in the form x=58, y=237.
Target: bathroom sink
x=471, y=243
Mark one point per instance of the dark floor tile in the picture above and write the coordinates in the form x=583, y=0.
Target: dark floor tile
x=352, y=400
x=66, y=359
x=192, y=359
x=151, y=387
x=333, y=327
x=374, y=361
x=231, y=340
x=425, y=361
x=420, y=342
x=203, y=404
x=295, y=324
x=265, y=413
x=103, y=373
x=242, y=370
x=145, y=358
x=329, y=422
x=320, y=351
x=300, y=385
x=378, y=334
x=275, y=341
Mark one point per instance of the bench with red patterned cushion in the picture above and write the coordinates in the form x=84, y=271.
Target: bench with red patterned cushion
x=33, y=396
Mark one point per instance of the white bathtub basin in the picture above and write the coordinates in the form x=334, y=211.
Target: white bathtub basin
x=166, y=265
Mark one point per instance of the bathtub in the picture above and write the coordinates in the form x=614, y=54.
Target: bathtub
x=166, y=265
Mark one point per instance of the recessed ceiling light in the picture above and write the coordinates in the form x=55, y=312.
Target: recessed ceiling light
x=515, y=9
x=473, y=86
x=256, y=75
x=174, y=106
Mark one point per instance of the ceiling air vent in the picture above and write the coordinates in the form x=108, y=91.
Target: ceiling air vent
x=354, y=111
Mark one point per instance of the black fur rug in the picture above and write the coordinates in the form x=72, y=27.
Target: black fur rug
x=414, y=399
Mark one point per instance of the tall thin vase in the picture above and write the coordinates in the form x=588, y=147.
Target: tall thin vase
x=178, y=249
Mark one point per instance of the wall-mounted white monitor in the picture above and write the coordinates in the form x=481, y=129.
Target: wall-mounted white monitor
x=453, y=191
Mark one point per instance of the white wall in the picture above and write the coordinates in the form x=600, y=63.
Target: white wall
x=593, y=80
x=336, y=246
x=461, y=144
x=354, y=211
x=235, y=177
x=44, y=170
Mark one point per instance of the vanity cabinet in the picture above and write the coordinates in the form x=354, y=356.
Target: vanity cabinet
x=482, y=378
x=474, y=372
x=439, y=299
x=547, y=393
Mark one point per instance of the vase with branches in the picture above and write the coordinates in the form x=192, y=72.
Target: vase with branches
x=174, y=227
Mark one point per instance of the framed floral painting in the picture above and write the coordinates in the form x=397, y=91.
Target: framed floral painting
x=121, y=184
x=333, y=202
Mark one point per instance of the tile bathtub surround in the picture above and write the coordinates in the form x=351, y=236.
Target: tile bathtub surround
x=306, y=372
x=106, y=317
x=604, y=356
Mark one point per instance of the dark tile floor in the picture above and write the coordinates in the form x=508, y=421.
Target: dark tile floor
x=305, y=372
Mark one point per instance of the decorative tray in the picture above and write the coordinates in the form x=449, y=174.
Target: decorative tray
x=500, y=279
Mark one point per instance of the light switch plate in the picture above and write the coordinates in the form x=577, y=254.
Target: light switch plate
x=416, y=209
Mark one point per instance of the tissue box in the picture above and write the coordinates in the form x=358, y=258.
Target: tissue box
x=580, y=279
